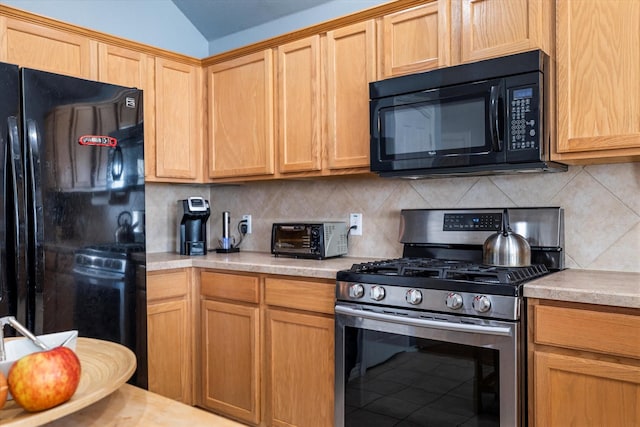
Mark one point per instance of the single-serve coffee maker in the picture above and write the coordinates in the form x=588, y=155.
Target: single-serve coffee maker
x=193, y=214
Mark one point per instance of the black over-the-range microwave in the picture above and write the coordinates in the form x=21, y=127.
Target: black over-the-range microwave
x=484, y=117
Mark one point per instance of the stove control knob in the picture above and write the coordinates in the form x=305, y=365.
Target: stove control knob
x=454, y=301
x=376, y=293
x=481, y=303
x=356, y=291
x=413, y=296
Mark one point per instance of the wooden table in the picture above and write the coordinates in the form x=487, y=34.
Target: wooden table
x=104, y=399
x=132, y=406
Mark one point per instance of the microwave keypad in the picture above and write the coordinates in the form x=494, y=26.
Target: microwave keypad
x=523, y=120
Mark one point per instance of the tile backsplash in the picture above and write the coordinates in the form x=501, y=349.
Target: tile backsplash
x=601, y=205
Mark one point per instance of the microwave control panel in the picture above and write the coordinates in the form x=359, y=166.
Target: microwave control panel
x=523, y=114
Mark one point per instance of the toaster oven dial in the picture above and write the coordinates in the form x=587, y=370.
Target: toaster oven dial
x=376, y=293
x=356, y=291
x=481, y=303
x=453, y=301
x=413, y=296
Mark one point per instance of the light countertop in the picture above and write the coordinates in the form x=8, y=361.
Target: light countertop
x=254, y=262
x=134, y=407
x=615, y=288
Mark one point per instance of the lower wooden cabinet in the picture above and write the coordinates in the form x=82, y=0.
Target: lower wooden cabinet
x=169, y=336
x=584, y=365
x=299, y=352
x=230, y=341
x=267, y=348
x=299, y=369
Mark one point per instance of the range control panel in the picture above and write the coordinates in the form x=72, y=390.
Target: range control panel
x=472, y=222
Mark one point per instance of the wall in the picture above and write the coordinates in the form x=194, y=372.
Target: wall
x=144, y=21
x=601, y=204
x=295, y=21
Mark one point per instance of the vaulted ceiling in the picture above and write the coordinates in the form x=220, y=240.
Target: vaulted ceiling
x=220, y=18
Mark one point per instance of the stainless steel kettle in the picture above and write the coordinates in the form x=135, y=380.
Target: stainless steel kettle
x=506, y=248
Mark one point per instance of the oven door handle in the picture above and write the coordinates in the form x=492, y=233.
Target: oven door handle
x=426, y=323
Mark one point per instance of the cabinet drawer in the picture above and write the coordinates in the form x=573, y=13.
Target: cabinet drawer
x=610, y=333
x=301, y=294
x=230, y=286
x=168, y=284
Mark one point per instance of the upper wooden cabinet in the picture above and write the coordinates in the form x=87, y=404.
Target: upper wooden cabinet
x=598, y=88
x=450, y=32
x=47, y=48
x=179, y=122
x=349, y=67
x=241, y=116
x=416, y=39
x=482, y=29
x=299, y=105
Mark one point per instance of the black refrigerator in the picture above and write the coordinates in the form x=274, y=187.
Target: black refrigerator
x=72, y=208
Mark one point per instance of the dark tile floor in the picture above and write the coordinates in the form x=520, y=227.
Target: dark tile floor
x=415, y=389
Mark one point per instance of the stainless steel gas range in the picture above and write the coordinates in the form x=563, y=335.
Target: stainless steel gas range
x=436, y=337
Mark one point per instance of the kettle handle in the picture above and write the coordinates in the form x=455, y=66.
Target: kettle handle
x=506, y=228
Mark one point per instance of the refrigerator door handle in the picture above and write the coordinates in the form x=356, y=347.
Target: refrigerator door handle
x=35, y=204
x=16, y=177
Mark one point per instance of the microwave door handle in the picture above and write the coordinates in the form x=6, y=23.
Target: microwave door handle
x=494, y=118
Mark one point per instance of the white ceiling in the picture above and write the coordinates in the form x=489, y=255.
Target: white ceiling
x=220, y=18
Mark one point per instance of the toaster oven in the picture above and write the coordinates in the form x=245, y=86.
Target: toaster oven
x=318, y=240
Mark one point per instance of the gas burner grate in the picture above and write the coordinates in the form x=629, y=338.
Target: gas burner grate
x=496, y=275
x=451, y=270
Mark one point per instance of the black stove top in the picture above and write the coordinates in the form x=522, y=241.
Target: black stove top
x=450, y=269
x=453, y=275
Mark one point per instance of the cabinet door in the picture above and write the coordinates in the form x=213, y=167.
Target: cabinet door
x=126, y=67
x=300, y=369
x=489, y=28
x=598, y=64
x=168, y=358
x=178, y=123
x=231, y=359
x=169, y=353
x=241, y=123
x=574, y=391
x=416, y=39
x=350, y=66
x=49, y=49
x=299, y=105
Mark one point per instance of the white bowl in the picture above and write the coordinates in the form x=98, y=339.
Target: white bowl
x=15, y=348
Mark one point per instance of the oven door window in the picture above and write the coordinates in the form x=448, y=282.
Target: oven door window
x=459, y=121
x=393, y=379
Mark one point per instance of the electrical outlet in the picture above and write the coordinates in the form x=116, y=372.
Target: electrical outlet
x=248, y=219
x=355, y=219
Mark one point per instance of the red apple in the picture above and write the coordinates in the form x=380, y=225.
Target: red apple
x=4, y=390
x=45, y=379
